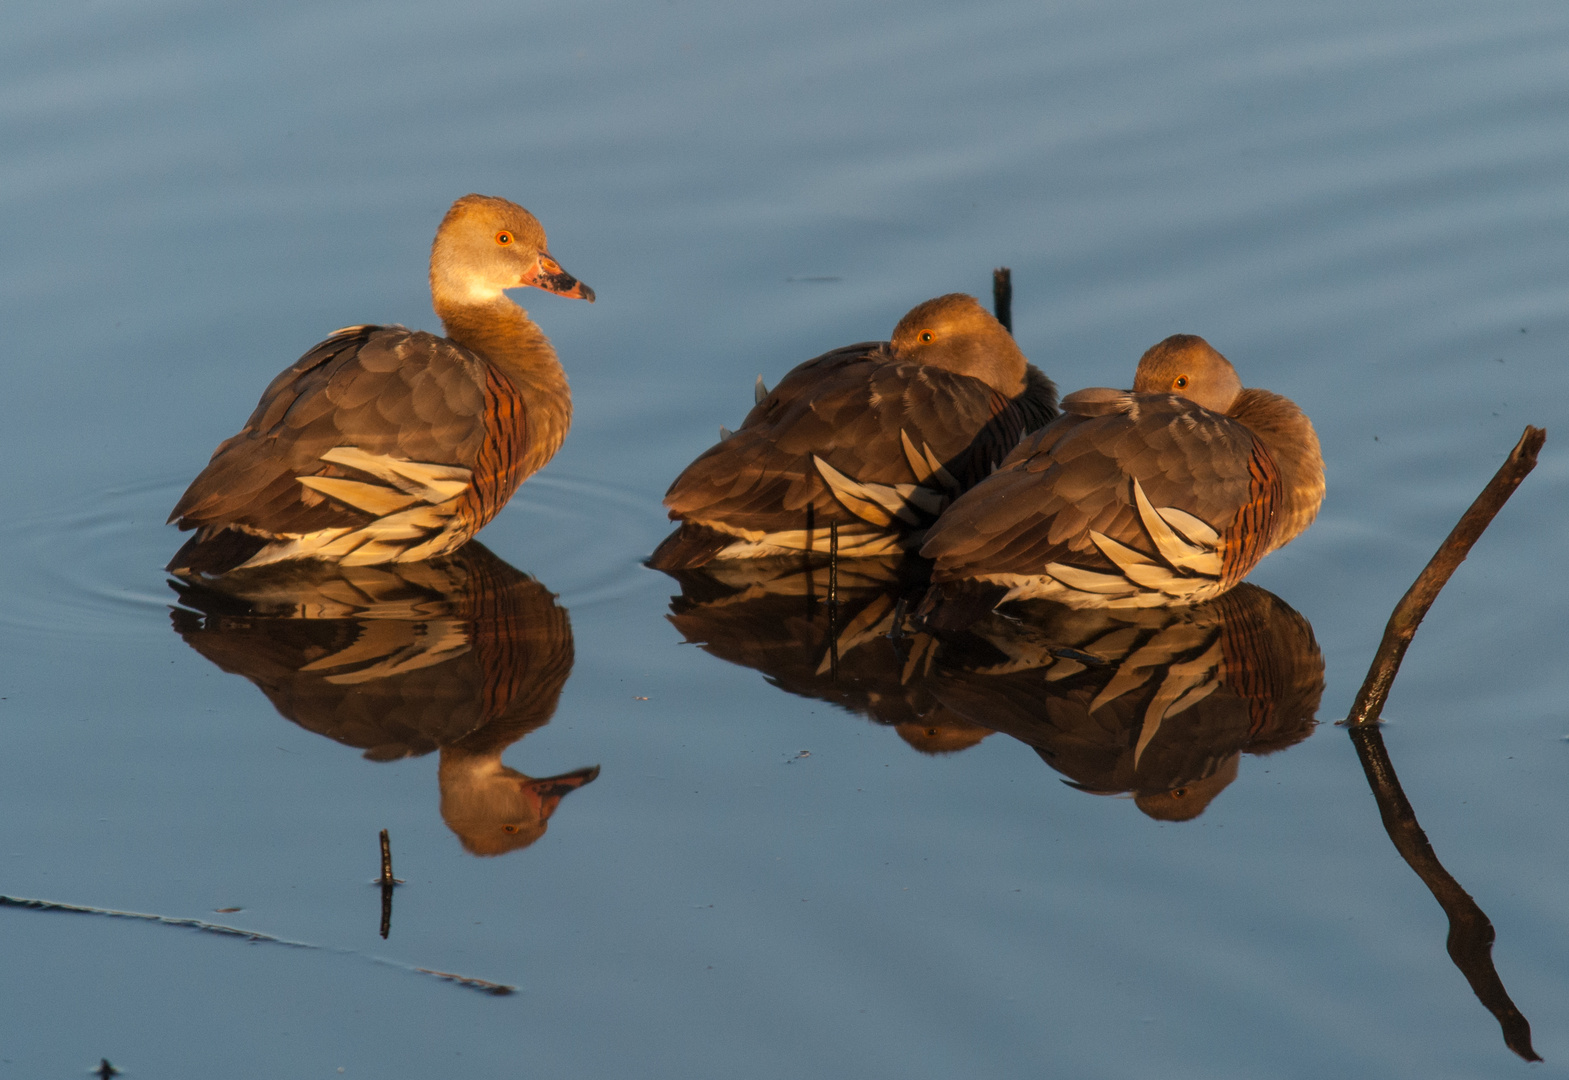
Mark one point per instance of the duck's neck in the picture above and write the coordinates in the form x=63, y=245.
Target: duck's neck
x=502, y=333
x=1289, y=436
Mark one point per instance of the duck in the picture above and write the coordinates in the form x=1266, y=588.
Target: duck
x=1166, y=494
x=389, y=445
x=862, y=448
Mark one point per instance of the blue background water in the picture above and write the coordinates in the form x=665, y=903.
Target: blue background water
x=1366, y=206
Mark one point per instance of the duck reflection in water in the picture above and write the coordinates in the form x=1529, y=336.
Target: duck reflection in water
x=1160, y=704
x=775, y=616
x=464, y=655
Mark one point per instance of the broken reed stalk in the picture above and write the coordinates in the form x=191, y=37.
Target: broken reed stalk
x=387, y=883
x=1470, y=941
x=1002, y=296
x=386, y=861
x=1471, y=934
x=833, y=600
x=833, y=562
x=1413, y=607
x=484, y=985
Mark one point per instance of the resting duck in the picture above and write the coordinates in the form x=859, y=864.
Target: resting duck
x=1168, y=494
x=875, y=438
x=383, y=444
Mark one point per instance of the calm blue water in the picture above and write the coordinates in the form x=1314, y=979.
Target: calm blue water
x=1365, y=206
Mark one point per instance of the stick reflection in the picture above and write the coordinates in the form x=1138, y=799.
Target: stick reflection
x=1470, y=941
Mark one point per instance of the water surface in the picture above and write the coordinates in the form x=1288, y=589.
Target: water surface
x=1365, y=206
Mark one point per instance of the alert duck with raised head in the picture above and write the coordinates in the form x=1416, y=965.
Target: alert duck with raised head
x=383, y=444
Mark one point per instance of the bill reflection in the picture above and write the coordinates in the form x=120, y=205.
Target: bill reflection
x=463, y=656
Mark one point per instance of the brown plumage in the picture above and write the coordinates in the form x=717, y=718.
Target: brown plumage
x=383, y=444
x=769, y=616
x=1168, y=494
x=877, y=438
x=461, y=654
x=1159, y=702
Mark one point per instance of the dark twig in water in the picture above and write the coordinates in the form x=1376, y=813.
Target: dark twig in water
x=497, y=989
x=833, y=600
x=833, y=562
x=1002, y=296
x=105, y=1070
x=493, y=989
x=1470, y=941
x=1408, y=615
x=164, y=920
x=386, y=880
x=387, y=883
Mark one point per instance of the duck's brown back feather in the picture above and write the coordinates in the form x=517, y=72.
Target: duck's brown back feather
x=1075, y=477
x=853, y=409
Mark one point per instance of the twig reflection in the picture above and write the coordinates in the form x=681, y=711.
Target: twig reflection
x=1470, y=941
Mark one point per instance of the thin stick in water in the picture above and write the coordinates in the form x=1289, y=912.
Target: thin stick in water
x=387, y=883
x=386, y=880
x=1002, y=296
x=1471, y=934
x=833, y=562
x=485, y=985
x=1408, y=614
x=833, y=600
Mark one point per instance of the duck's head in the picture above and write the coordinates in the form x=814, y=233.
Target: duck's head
x=956, y=333
x=1186, y=365
x=486, y=245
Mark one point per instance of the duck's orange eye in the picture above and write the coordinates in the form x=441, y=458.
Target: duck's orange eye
x=503, y=238
x=509, y=828
x=927, y=336
x=1179, y=383
x=1179, y=793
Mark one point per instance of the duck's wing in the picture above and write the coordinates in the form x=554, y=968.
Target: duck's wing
x=857, y=437
x=372, y=423
x=1123, y=495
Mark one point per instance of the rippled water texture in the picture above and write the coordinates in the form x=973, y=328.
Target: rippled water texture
x=811, y=849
